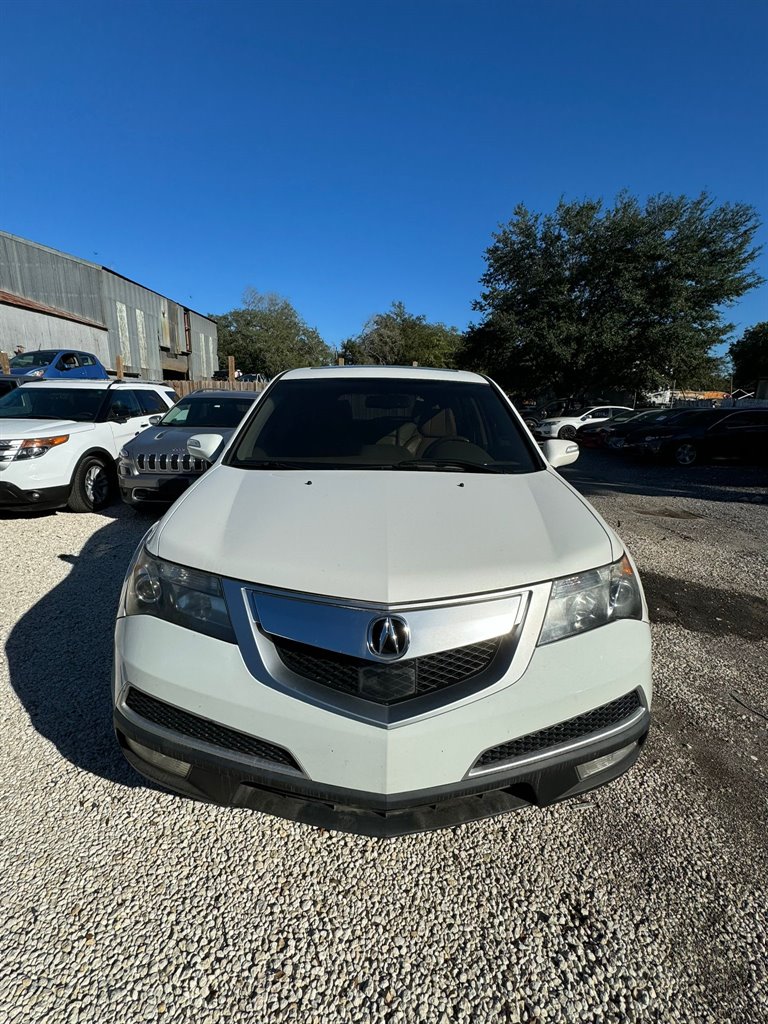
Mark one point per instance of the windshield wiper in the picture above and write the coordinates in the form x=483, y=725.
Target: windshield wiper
x=268, y=464
x=448, y=465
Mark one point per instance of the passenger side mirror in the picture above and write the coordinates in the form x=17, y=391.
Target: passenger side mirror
x=560, y=453
x=204, y=446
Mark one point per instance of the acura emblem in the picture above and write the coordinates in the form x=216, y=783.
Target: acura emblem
x=389, y=637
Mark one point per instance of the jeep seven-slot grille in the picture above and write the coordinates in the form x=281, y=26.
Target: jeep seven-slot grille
x=387, y=683
x=175, y=463
x=572, y=729
x=183, y=722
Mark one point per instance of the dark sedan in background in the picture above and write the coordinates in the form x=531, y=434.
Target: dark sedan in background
x=156, y=467
x=698, y=435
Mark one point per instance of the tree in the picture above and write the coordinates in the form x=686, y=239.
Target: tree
x=629, y=296
x=750, y=356
x=266, y=335
x=399, y=338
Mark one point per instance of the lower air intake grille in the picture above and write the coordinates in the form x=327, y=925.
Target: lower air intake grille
x=183, y=722
x=387, y=683
x=572, y=729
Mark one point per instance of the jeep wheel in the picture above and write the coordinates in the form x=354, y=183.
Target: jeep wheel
x=91, y=486
x=685, y=454
x=568, y=433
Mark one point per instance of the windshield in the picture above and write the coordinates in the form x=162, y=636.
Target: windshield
x=384, y=423
x=28, y=360
x=208, y=411
x=42, y=403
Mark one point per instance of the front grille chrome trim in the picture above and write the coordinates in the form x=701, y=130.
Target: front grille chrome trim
x=560, y=749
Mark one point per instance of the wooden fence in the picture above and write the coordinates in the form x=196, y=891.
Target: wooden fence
x=185, y=387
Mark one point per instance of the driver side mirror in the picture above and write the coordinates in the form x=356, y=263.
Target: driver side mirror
x=204, y=446
x=560, y=453
x=154, y=420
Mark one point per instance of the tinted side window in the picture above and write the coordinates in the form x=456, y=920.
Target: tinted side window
x=151, y=402
x=85, y=359
x=123, y=404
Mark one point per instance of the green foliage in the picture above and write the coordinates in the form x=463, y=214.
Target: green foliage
x=628, y=296
x=266, y=335
x=399, y=338
x=750, y=356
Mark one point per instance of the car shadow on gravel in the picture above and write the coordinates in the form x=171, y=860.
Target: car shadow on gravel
x=605, y=472
x=60, y=652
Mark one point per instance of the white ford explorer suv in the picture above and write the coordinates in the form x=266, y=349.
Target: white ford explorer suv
x=59, y=439
x=382, y=611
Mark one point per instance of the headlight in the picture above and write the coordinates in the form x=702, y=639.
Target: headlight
x=35, y=373
x=186, y=597
x=590, y=599
x=34, y=447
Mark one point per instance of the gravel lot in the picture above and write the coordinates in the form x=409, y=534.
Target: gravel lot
x=646, y=901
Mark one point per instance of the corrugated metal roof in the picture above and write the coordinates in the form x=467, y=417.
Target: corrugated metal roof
x=38, y=307
x=87, y=263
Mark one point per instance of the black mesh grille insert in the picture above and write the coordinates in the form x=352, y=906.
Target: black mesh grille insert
x=572, y=729
x=387, y=683
x=183, y=722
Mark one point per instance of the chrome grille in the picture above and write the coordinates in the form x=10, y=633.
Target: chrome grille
x=387, y=683
x=176, y=462
x=170, y=717
x=572, y=729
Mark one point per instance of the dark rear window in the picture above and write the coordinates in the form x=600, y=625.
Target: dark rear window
x=35, y=402
x=375, y=423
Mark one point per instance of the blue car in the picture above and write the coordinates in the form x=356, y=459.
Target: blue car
x=54, y=363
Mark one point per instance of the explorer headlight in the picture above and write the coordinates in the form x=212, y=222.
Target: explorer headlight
x=590, y=599
x=186, y=597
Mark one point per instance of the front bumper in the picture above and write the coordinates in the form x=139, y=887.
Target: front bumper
x=17, y=499
x=366, y=778
x=165, y=488
x=546, y=780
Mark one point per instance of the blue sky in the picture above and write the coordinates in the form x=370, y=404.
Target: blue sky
x=348, y=154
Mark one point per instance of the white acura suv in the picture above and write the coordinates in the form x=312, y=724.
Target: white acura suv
x=382, y=611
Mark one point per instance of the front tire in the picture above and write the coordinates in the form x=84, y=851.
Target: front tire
x=568, y=433
x=685, y=454
x=91, y=486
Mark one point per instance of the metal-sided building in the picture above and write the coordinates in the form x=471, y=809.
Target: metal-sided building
x=49, y=299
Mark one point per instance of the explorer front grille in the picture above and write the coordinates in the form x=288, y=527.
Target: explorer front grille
x=387, y=683
x=572, y=729
x=187, y=724
x=174, y=463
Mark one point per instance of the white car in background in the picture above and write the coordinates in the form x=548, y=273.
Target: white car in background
x=382, y=611
x=59, y=440
x=565, y=427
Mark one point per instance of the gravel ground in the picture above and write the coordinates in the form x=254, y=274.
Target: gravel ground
x=646, y=901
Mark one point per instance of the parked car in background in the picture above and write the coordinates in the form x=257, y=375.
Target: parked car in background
x=156, y=466
x=698, y=435
x=533, y=415
x=615, y=433
x=59, y=439
x=604, y=433
x=59, y=363
x=474, y=639
x=566, y=426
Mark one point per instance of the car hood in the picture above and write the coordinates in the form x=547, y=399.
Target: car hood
x=13, y=427
x=170, y=440
x=383, y=536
